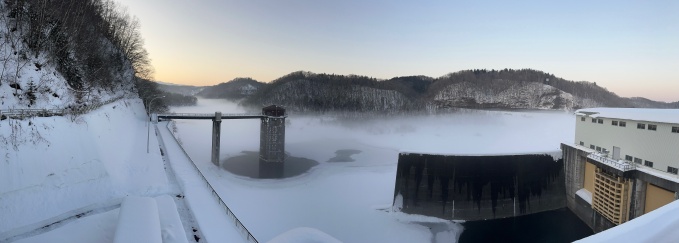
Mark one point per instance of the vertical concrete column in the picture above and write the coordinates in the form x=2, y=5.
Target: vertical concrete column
x=216, y=132
x=272, y=142
x=272, y=134
x=574, y=172
x=638, y=202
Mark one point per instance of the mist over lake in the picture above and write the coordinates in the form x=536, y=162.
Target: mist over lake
x=360, y=188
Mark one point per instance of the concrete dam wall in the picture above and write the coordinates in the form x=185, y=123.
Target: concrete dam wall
x=464, y=187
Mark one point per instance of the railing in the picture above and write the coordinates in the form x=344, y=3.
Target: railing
x=622, y=166
x=21, y=113
x=238, y=223
x=208, y=114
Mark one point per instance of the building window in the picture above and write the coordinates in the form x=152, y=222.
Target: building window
x=591, y=146
x=582, y=118
x=675, y=129
x=637, y=160
x=600, y=121
x=652, y=127
x=628, y=158
x=672, y=170
x=593, y=120
x=614, y=123
x=598, y=148
x=623, y=124
x=641, y=126
x=648, y=163
x=582, y=143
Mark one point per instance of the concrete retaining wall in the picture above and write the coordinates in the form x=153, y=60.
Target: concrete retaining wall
x=479, y=187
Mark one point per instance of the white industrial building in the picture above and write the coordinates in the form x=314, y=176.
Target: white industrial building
x=648, y=137
x=622, y=164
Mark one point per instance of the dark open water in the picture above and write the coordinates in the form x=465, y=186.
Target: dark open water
x=559, y=225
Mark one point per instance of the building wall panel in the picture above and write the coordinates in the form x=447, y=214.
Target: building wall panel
x=590, y=169
x=657, y=197
x=660, y=146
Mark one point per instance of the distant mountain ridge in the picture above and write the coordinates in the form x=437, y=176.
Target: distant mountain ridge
x=478, y=88
x=235, y=89
x=179, y=89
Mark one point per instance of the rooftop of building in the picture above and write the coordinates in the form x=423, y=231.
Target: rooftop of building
x=636, y=114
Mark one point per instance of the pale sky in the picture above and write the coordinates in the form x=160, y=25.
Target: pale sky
x=629, y=47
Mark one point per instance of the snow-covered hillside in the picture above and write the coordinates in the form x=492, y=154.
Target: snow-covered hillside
x=34, y=83
x=305, y=95
x=32, y=76
x=51, y=166
x=508, y=94
x=235, y=89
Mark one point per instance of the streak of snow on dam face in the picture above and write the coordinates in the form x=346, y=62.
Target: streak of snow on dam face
x=479, y=187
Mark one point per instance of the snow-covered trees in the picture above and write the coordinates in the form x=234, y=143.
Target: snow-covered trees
x=304, y=91
x=479, y=88
x=92, y=43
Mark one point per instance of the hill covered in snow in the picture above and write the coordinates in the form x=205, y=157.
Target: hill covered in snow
x=235, y=89
x=480, y=88
x=71, y=55
x=51, y=166
x=82, y=59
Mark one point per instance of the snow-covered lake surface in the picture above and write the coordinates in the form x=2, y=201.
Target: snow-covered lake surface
x=350, y=201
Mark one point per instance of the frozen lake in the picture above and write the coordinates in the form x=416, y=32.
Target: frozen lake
x=349, y=192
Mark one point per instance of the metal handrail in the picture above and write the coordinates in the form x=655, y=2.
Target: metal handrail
x=230, y=213
x=623, y=166
x=31, y=112
x=209, y=114
x=51, y=112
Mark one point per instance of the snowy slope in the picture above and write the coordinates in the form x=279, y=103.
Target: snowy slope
x=29, y=80
x=24, y=86
x=51, y=166
x=305, y=95
x=508, y=94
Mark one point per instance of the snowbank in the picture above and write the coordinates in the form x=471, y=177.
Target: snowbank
x=171, y=225
x=138, y=221
x=584, y=194
x=304, y=235
x=659, y=225
x=101, y=226
x=54, y=165
x=96, y=228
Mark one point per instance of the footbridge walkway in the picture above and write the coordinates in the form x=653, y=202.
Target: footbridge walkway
x=208, y=116
x=272, y=133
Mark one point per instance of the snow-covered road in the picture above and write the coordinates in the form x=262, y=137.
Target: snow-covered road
x=211, y=218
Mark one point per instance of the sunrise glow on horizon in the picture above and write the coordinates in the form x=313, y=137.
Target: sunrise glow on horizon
x=628, y=47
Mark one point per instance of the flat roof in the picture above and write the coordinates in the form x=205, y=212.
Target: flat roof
x=637, y=114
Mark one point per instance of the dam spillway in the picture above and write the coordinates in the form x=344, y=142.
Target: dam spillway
x=479, y=187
